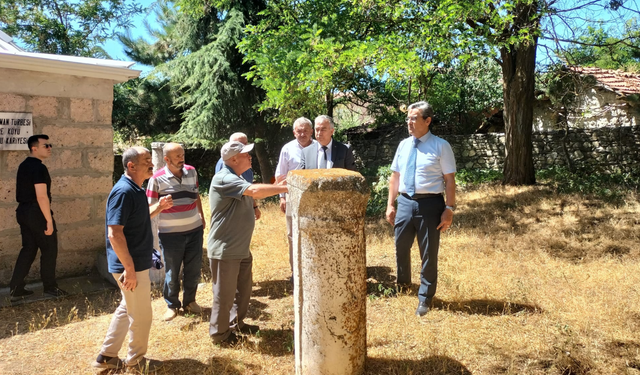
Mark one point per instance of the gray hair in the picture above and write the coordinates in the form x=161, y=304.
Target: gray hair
x=168, y=147
x=425, y=109
x=131, y=155
x=327, y=118
x=302, y=121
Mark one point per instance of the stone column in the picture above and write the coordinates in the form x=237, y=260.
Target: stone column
x=156, y=276
x=328, y=209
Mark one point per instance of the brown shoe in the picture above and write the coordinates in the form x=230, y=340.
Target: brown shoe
x=193, y=308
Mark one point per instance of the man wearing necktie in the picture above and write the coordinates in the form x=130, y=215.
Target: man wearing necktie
x=327, y=152
x=423, y=168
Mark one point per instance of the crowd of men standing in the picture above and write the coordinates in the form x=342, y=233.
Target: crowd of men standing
x=423, y=169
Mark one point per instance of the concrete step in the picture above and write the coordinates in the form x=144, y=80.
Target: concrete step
x=75, y=285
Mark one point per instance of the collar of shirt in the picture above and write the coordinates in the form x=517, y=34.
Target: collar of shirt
x=424, y=138
x=321, y=154
x=185, y=172
x=232, y=171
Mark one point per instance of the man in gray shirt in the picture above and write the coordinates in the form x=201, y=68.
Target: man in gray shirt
x=232, y=222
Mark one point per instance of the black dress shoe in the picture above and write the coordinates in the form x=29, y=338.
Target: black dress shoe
x=230, y=341
x=249, y=329
x=55, y=292
x=20, y=293
x=423, y=308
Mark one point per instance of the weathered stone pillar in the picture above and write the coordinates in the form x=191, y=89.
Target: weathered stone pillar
x=328, y=209
x=156, y=276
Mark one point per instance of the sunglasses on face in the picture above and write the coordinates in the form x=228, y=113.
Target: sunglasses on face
x=47, y=145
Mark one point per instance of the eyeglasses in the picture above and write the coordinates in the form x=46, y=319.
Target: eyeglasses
x=412, y=118
x=47, y=145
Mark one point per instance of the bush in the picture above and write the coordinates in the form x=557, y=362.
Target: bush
x=377, y=205
x=612, y=186
x=466, y=177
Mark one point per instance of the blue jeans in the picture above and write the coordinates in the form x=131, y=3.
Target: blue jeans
x=179, y=249
x=419, y=218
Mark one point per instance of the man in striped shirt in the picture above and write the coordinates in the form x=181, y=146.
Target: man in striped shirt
x=180, y=229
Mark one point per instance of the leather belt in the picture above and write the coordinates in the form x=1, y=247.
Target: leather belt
x=420, y=196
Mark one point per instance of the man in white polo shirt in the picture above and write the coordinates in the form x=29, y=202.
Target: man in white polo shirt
x=290, y=157
x=180, y=229
x=423, y=168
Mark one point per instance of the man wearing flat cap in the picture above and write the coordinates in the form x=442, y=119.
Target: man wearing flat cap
x=232, y=221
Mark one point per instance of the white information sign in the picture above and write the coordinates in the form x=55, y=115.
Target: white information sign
x=15, y=129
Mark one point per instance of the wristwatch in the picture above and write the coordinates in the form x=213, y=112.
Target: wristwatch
x=452, y=208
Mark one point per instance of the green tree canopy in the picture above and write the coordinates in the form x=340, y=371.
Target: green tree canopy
x=306, y=51
x=602, y=49
x=66, y=27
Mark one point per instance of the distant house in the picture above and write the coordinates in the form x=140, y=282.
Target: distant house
x=607, y=98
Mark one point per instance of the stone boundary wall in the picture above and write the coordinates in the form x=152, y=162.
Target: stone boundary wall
x=602, y=150
x=76, y=114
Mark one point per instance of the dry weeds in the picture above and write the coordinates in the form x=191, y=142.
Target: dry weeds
x=530, y=283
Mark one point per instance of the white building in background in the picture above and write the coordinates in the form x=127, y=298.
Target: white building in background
x=612, y=99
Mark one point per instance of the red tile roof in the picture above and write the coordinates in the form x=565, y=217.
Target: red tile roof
x=620, y=82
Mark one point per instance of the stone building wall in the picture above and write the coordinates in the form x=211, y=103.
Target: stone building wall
x=76, y=114
x=605, y=149
x=595, y=108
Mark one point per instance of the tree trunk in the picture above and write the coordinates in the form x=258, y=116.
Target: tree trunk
x=518, y=74
x=266, y=170
x=329, y=101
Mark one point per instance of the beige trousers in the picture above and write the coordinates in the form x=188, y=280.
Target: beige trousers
x=133, y=315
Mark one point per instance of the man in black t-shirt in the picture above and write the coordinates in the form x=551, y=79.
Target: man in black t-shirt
x=37, y=227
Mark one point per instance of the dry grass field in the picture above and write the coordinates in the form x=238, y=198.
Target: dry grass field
x=531, y=282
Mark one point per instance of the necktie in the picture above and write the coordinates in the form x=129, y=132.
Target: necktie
x=410, y=172
x=323, y=161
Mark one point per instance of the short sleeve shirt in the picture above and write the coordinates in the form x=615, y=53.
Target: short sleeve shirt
x=434, y=159
x=31, y=172
x=247, y=175
x=127, y=206
x=184, y=216
x=232, y=216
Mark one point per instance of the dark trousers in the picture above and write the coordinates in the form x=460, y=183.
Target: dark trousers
x=33, y=237
x=419, y=218
x=181, y=250
x=232, y=283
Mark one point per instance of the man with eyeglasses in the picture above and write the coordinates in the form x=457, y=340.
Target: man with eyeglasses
x=37, y=227
x=423, y=168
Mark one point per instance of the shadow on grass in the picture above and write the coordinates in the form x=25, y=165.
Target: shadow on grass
x=505, y=213
x=53, y=313
x=256, y=311
x=380, y=281
x=216, y=365
x=440, y=365
x=486, y=307
x=196, y=319
x=274, y=289
x=276, y=342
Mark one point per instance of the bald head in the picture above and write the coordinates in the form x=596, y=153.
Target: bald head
x=240, y=137
x=174, y=158
x=171, y=147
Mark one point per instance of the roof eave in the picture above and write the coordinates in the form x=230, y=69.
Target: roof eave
x=12, y=61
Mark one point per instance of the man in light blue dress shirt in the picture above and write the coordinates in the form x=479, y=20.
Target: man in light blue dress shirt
x=423, y=168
